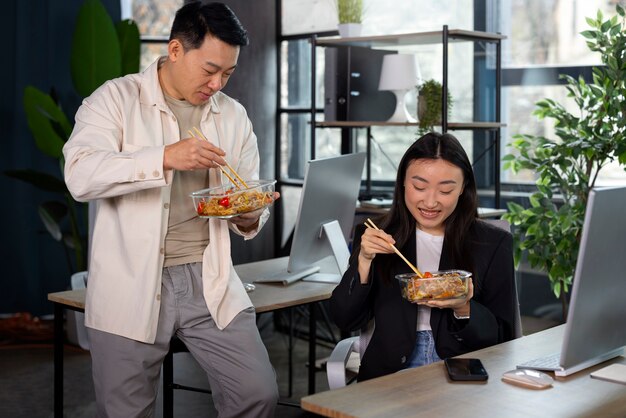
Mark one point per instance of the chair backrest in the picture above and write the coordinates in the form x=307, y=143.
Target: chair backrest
x=365, y=335
x=501, y=223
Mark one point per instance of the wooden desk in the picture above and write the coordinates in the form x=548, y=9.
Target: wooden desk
x=426, y=391
x=265, y=298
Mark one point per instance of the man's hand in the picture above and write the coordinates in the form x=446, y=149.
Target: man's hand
x=192, y=154
x=247, y=222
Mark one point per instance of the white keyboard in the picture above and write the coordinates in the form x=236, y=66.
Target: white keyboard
x=285, y=277
x=550, y=362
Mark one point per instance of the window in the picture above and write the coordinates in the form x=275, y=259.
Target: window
x=545, y=41
x=154, y=18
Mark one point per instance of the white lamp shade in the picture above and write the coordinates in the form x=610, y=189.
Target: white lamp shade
x=399, y=72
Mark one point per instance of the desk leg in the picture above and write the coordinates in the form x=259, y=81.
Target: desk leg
x=58, y=360
x=290, y=374
x=312, y=346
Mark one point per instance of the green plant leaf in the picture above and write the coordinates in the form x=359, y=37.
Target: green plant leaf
x=130, y=45
x=45, y=120
x=350, y=11
x=52, y=213
x=42, y=181
x=547, y=228
x=96, y=55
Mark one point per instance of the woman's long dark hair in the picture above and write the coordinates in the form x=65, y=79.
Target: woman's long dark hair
x=401, y=224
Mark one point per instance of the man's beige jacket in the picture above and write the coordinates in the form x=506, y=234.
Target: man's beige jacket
x=115, y=157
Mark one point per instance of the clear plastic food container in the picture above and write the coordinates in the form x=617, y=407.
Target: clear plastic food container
x=227, y=201
x=444, y=284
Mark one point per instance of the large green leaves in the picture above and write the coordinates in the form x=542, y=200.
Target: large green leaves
x=96, y=55
x=100, y=52
x=589, y=138
x=42, y=181
x=46, y=121
x=130, y=46
x=52, y=213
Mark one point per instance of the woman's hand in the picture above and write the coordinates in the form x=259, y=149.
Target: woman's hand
x=372, y=242
x=461, y=307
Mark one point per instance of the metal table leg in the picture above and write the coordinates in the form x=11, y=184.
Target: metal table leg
x=58, y=360
x=312, y=346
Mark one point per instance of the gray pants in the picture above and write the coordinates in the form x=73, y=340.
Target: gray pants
x=126, y=372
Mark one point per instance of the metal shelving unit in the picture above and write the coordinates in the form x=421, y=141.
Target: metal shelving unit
x=444, y=37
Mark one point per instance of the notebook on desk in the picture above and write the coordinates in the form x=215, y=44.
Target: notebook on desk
x=595, y=331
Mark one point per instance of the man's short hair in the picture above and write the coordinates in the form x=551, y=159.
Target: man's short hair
x=195, y=20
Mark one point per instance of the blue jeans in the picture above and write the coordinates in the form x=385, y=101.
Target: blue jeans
x=424, y=352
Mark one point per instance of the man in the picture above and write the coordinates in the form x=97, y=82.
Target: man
x=156, y=269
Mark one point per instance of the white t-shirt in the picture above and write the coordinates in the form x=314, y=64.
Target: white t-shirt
x=428, y=249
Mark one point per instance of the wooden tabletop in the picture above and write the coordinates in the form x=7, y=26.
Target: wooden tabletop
x=73, y=298
x=265, y=297
x=427, y=391
x=269, y=296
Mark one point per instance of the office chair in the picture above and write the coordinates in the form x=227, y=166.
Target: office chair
x=346, y=355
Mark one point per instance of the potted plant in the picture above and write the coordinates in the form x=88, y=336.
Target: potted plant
x=429, y=102
x=100, y=51
x=350, y=14
x=549, y=230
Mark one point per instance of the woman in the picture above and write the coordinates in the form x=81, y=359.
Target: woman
x=433, y=222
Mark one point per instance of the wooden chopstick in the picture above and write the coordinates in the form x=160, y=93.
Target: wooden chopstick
x=370, y=224
x=232, y=180
x=232, y=170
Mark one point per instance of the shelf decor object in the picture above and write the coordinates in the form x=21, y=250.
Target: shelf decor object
x=429, y=105
x=350, y=15
x=399, y=75
x=349, y=30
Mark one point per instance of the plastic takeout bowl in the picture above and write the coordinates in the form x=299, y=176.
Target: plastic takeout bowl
x=227, y=201
x=445, y=284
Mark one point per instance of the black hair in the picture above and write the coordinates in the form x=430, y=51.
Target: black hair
x=195, y=20
x=401, y=224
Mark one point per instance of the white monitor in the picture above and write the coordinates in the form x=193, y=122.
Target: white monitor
x=325, y=218
x=595, y=330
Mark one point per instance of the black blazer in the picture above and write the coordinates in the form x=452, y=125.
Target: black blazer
x=493, y=308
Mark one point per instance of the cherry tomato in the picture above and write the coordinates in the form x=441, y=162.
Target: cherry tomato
x=428, y=275
x=200, y=208
x=225, y=202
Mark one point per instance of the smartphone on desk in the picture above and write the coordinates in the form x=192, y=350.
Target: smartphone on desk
x=467, y=369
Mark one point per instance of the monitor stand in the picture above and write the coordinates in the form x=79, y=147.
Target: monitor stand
x=337, y=242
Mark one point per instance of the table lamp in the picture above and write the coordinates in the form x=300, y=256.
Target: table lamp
x=399, y=74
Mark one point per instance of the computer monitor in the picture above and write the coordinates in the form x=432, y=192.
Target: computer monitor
x=325, y=218
x=595, y=331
